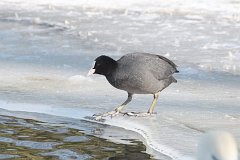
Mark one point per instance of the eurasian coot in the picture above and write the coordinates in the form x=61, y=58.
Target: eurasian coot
x=136, y=73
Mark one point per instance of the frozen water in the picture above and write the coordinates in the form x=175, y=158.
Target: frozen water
x=47, y=47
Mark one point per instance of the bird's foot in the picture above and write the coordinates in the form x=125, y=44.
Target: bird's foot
x=111, y=113
x=139, y=114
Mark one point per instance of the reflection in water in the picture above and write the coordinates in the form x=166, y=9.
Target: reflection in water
x=30, y=139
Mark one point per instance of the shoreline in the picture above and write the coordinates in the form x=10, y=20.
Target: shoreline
x=28, y=138
x=112, y=129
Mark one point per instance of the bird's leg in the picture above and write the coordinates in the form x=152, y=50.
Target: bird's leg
x=150, y=110
x=153, y=103
x=116, y=111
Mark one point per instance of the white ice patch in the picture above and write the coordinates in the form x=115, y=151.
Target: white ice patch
x=79, y=79
x=47, y=47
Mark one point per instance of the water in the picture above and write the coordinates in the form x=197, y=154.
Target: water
x=48, y=47
x=24, y=138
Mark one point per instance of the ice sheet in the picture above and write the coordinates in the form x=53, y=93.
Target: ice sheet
x=47, y=47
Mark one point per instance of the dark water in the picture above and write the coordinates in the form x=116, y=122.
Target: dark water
x=30, y=139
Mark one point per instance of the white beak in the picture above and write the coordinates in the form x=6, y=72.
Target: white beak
x=91, y=71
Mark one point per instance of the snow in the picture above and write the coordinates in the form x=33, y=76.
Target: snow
x=47, y=48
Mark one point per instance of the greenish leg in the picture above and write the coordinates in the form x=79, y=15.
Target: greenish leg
x=129, y=99
x=145, y=114
x=153, y=103
x=116, y=111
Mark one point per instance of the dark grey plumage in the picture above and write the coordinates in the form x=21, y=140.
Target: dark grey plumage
x=136, y=73
x=142, y=73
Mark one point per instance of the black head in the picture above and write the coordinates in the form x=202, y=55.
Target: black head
x=104, y=65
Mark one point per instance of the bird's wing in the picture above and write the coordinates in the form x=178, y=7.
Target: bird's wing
x=173, y=65
x=159, y=66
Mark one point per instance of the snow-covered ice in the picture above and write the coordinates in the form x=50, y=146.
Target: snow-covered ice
x=47, y=47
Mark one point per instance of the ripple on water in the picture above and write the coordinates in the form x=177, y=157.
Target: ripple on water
x=76, y=139
x=32, y=139
x=63, y=154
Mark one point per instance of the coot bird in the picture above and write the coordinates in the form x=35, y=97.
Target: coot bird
x=136, y=73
